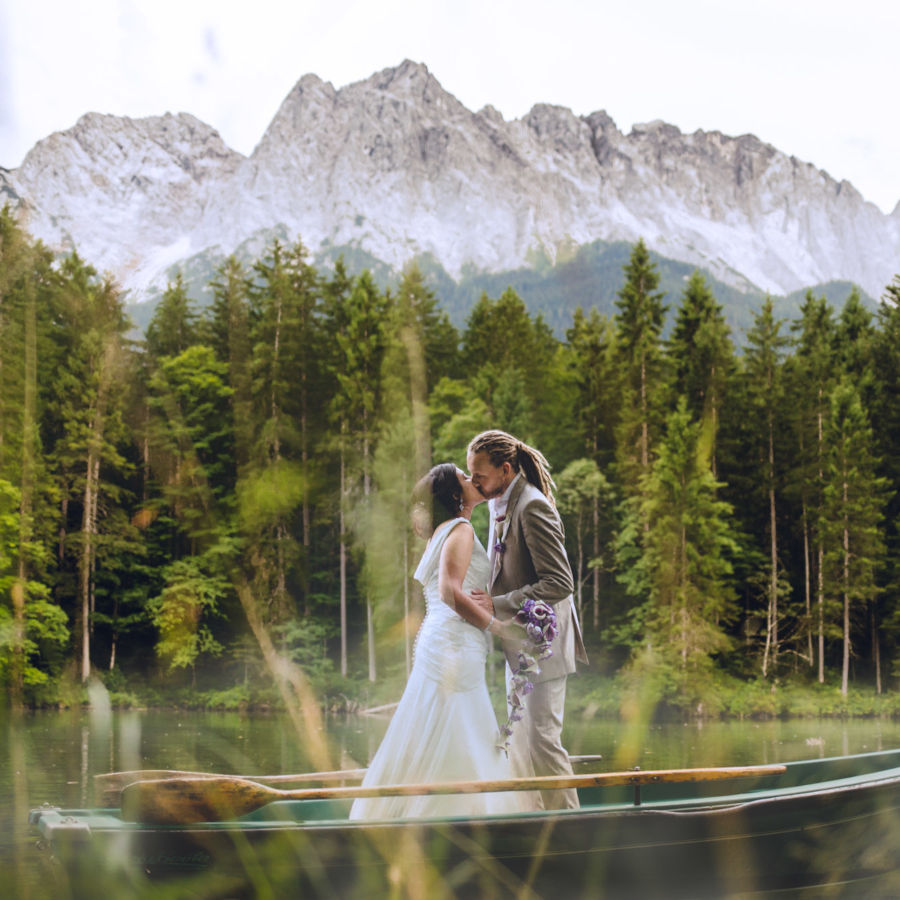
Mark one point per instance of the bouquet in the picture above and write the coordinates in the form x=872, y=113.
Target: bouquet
x=539, y=620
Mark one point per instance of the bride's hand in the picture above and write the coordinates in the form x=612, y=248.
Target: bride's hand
x=483, y=599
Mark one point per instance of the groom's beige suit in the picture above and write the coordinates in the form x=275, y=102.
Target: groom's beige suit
x=533, y=563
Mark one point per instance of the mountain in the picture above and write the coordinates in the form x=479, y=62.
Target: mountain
x=394, y=167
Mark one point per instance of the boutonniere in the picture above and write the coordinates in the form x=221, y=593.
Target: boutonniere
x=503, y=526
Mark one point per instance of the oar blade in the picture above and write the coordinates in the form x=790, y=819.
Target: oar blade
x=108, y=786
x=172, y=801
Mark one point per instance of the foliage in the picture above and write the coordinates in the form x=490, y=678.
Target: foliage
x=726, y=515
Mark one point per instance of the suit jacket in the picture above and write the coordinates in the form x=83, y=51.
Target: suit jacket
x=534, y=564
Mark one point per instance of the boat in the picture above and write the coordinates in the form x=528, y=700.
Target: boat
x=820, y=827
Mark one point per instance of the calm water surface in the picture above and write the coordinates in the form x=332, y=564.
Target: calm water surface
x=51, y=757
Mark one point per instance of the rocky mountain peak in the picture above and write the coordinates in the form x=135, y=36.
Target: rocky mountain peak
x=396, y=166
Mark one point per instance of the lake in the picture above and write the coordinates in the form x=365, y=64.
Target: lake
x=51, y=757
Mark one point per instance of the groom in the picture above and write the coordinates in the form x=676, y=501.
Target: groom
x=528, y=559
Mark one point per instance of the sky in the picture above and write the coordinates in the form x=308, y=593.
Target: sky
x=818, y=79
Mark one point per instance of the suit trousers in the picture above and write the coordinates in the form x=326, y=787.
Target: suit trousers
x=536, y=745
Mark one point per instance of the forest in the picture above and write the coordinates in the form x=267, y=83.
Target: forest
x=219, y=506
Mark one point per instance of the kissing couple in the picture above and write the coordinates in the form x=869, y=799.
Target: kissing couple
x=444, y=728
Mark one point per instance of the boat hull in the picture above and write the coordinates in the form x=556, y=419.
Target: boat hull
x=783, y=833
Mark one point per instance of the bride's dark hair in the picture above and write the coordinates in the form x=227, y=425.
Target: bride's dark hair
x=440, y=492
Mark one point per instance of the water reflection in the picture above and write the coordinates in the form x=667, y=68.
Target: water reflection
x=52, y=756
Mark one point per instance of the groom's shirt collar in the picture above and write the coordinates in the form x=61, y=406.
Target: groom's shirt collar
x=498, y=505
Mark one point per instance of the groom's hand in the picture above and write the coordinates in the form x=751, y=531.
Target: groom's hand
x=483, y=599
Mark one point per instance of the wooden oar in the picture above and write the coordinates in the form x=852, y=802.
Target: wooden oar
x=185, y=800
x=108, y=786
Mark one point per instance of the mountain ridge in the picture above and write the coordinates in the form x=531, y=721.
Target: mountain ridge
x=397, y=167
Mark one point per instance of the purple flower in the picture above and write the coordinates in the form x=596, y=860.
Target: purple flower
x=499, y=547
x=539, y=621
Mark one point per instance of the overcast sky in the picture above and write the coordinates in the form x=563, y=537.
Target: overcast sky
x=816, y=78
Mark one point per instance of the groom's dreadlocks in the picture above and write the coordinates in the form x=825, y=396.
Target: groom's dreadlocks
x=501, y=447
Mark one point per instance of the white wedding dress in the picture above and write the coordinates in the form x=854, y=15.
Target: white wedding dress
x=444, y=728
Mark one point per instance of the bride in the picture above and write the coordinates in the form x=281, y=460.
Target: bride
x=444, y=728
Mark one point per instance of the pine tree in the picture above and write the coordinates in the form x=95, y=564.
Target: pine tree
x=851, y=513
x=91, y=391
x=596, y=393
x=337, y=291
x=229, y=335
x=764, y=363
x=582, y=491
x=686, y=557
x=639, y=323
x=885, y=412
x=286, y=296
x=403, y=452
x=508, y=357
x=591, y=340
x=173, y=327
x=356, y=322
x=810, y=377
x=701, y=355
x=32, y=620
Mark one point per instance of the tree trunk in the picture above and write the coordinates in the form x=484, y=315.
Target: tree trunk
x=807, y=586
x=579, y=537
x=820, y=592
x=714, y=410
x=115, y=640
x=370, y=609
x=343, y=563
x=88, y=529
x=645, y=426
x=26, y=504
x=771, y=649
x=596, y=581
x=845, y=667
x=304, y=462
x=876, y=650
x=682, y=579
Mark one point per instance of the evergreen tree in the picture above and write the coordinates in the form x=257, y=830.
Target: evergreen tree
x=639, y=323
x=336, y=295
x=701, y=354
x=582, y=492
x=686, y=557
x=403, y=452
x=30, y=622
x=229, y=335
x=508, y=357
x=854, y=339
x=192, y=453
x=810, y=379
x=591, y=340
x=885, y=412
x=357, y=326
x=91, y=393
x=286, y=297
x=764, y=364
x=851, y=514
x=173, y=327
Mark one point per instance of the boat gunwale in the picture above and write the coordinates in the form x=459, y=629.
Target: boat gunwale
x=50, y=819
